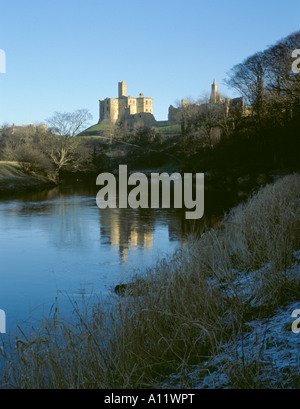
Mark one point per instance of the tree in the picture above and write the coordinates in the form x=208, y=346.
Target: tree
x=210, y=120
x=249, y=79
x=62, y=147
x=282, y=84
x=267, y=82
x=187, y=111
x=69, y=124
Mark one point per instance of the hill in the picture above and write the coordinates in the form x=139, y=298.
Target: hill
x=13, y=179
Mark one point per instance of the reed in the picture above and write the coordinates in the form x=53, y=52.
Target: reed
x=175, y=314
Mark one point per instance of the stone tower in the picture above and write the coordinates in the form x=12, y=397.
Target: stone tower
x=214, y=93
x=124, y=108
x=122, y=89
x=215, y=97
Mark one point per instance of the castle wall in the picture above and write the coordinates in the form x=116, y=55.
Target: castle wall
x=233, y=106
x=144, y=105
x=122, y=89
x=143, y=119
x=109, y=109
x=116, y=109
x=173, y=115
x=123, y=104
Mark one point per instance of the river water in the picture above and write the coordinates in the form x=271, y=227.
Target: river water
x=59, y=243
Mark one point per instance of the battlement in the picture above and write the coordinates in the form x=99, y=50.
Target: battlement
x=118, y=109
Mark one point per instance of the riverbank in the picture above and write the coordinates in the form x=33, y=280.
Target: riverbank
x=183, y=315
x=14, y=180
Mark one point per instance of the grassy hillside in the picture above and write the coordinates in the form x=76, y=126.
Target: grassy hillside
x=12, y=179
x=97, y=129
x=105, y=128
x=169, y=130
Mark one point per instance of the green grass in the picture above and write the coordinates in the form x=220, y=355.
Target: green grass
x=169, y=130
x=97, y=129
x=13, y=179
x=9, y=170
x=104, y=127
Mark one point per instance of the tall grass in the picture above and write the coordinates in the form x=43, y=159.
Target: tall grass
x=175, y=314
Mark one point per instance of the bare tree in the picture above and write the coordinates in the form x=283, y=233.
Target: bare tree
x=69, y=124
x=62, y=146
x=249, y=79
x=282, y=85
x=187, y=111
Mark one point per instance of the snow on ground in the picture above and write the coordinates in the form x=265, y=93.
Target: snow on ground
x=267, y=355
x=270, y=351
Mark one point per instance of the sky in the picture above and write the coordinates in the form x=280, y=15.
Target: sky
x=63, y=55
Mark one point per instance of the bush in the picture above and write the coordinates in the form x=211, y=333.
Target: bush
x=33, y=161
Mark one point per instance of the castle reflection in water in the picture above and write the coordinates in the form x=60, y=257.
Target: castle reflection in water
x=128, y=228
x=123, y=228
x=72, y=219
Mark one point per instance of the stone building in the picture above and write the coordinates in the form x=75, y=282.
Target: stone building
x=138, y=112
x=126, y=109
x=231, y=105
x=16, y=128
x=215, y=97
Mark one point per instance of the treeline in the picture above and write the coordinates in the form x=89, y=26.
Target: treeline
x=267, y=134
x=53, y=150
x=226, y=136
x=267, y=82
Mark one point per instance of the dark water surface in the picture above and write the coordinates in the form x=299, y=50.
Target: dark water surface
x=60, y=242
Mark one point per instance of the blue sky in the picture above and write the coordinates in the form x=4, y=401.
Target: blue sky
x=66, y=55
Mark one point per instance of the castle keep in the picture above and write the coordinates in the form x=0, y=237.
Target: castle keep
x=126, y=109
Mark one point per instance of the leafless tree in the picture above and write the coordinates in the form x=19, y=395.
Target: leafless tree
x=282, y=84
x=69, y=124
x=267, y=82
x=62, y=145
x=249, y=79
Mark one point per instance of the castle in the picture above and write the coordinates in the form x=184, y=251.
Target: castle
x=126, y=109
x=215, y=97
x=135, y=112
x=231, y=105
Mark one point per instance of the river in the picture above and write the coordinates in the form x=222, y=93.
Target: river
x=59, y=243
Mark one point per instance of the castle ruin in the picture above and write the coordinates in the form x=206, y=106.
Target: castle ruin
x=130, y=111
x=231, y=105
x=134, y=112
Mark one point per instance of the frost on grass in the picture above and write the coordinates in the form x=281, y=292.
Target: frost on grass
x=266, y=354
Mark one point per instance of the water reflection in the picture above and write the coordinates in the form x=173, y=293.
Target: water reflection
x=126, y=228
x=60, y=241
